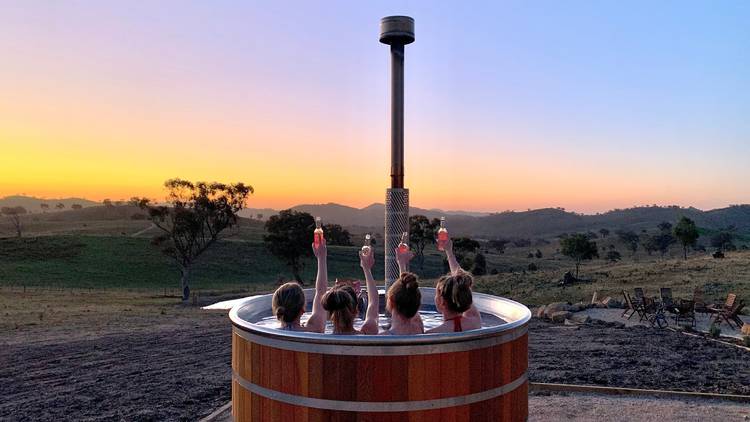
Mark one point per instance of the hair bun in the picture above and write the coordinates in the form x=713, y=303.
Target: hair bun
x=410, y=280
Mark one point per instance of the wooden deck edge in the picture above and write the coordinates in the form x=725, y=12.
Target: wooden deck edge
x=541, y=386
x=216, y=413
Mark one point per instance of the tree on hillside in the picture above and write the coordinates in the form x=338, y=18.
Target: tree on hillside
x=579, y=247
x=723, y=240
x=421, y=233
x=337, y=235
x=499, y=244
x=192, y=219
x=76, y=206
x=289, y=238
x=663, y=241
x=60, y=206
x=687, y=233
x=259, y=216
x=480, y=265
x=464, y=248
x=108, y=203
x=648, y=243
x=612, y=256
x=44, y=206
x=629, y=238
x=604, y=233
x=14, y=215
x=665, y=227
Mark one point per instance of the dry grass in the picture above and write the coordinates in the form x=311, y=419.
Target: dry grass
x=716, y=276
x=39, y=314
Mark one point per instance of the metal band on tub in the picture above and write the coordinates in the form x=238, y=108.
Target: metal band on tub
x=369, y=406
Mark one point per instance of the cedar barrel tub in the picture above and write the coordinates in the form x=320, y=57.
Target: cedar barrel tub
x=475, y=375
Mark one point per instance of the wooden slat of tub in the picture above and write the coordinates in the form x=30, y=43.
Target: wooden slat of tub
x=288, y=373
x=315, y=380
x=447, y=387
x=462, y=381
x=417, y=383
x=366, y=378
x=303, y=377
x=256, y=363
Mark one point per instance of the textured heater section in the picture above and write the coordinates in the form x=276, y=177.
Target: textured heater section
x=396, y=223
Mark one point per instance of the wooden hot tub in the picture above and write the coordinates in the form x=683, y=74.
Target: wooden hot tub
x=288, y=376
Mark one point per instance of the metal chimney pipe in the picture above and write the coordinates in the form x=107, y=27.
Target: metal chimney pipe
x=396, y=31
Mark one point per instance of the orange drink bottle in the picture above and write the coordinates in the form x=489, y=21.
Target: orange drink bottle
x=404, y=245
x=442, y=235
x=318, y=233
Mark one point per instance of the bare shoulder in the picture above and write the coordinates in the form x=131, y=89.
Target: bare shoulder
x=442, y=328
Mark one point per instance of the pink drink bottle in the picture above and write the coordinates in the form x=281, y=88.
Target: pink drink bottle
x=318, y=233
x=442, y=235
x=404, y=245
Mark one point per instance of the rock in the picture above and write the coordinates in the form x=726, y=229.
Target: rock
x=580, y=318
x=560, y=316
x=571, y=323
x=556, y=307
x=539, y=313
x=594, y=298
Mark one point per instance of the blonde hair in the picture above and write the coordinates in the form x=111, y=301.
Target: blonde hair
x=456, y=291
x=405, y=296
x=288, y=302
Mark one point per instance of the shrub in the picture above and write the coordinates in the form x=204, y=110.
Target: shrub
x=613, y=256
x=494, y=271
x=718, y=255
x=532, y=267
x=746, y=341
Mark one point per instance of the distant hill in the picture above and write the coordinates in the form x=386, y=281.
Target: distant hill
x=369, y=216
x=544, y=222
x=33, y=204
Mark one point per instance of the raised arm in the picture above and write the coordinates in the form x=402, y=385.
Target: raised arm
x=403, y=258
x=472, y=312
x=317, y=321
x=367, y=260
x=452, y=261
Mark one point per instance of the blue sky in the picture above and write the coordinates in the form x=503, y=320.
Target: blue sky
x=509, y=105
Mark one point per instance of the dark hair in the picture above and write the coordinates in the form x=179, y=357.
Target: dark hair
x=341, y=304
x=288, y=302
x=405, y=295
x=456, y=291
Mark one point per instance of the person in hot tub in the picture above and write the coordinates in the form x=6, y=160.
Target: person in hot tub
x=288, y=302
x=341, y=301
x=404, y=299
x=453, y=298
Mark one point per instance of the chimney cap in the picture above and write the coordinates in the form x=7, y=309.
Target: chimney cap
x=397, y=30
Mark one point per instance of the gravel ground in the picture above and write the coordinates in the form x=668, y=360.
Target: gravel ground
x=635, y=357
x=173, y=372
x=595, y=407
x=180, y=370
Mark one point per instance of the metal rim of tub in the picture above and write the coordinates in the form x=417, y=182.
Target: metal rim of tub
x=516, y=315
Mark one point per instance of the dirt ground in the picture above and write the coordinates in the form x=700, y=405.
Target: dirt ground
x=176, y=365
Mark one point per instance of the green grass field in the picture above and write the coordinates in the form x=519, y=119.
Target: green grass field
x=115, y=253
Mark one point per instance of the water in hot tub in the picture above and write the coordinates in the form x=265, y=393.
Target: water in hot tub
x=430, y=319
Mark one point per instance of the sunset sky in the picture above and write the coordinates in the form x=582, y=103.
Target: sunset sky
x=509, y=105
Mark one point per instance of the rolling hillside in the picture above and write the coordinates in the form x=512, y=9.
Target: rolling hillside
x=546, y=222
